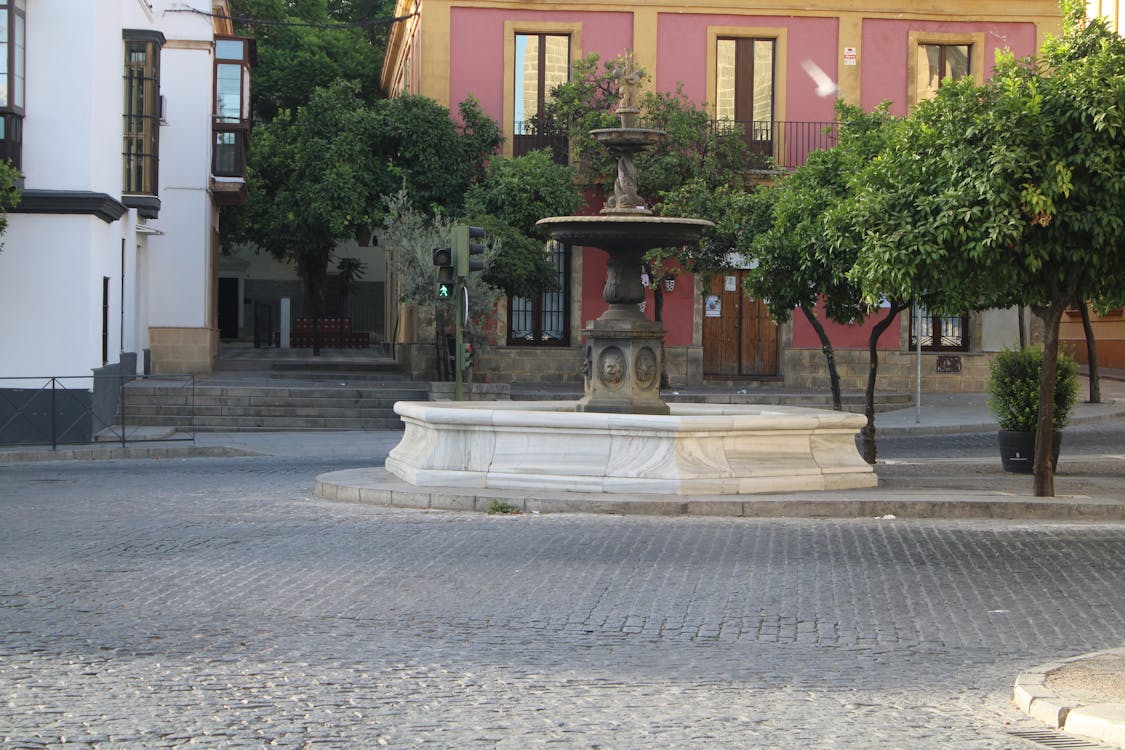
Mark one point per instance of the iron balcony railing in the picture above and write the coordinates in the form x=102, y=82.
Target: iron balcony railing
x=780, y=145
x=541, y=133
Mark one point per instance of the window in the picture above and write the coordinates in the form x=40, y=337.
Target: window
x=744, y=89
x=940, y=333
x=13, y=55
x=934, y=57
x=232, y=106
x=936, y=62
x=543, y=321
x=141, y=112
x=542, y=62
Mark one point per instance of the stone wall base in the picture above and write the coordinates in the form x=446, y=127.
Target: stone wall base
x=945, y=372
x=183, y=350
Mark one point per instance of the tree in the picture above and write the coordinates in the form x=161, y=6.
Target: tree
x=514, y=194
x=409, y=237
x=313, y=179
x=1009, y=193
x=800, y=264
x=320, y=174
x=302, y=46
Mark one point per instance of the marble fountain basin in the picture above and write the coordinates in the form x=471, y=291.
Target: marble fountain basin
x=698, y=449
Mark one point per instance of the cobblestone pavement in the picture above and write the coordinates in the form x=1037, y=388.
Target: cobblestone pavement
x=217, y=603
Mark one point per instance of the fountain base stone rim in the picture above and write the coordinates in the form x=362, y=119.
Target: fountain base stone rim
x=701, y=449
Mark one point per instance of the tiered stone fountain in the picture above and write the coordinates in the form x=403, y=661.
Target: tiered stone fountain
x=621, y=437
x=623, y=352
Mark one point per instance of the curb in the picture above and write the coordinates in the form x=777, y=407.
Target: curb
x=1103, y=722
x=96, y=453
x=377, y=486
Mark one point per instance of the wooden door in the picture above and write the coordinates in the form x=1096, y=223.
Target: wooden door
x=739, y=338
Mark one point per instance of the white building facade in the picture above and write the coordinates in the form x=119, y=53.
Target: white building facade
x=128, y=148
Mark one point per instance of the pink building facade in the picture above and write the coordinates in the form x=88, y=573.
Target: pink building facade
x=747, y=63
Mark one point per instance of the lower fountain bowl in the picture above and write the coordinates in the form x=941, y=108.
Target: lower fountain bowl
x=698, y=449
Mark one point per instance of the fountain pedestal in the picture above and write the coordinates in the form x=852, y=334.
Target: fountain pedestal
x=623, y=364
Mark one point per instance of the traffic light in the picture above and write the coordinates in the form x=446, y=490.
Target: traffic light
x=467, y=356
x=464, y=248
x=443, y=259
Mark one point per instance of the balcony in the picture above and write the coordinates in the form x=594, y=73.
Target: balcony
x=539, y=133
x=774, y=145
x=777, y=145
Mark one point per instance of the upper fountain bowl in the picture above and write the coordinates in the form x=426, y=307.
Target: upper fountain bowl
x=629, y=140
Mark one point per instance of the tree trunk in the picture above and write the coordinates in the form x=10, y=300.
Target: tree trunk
x=1091, y=353
x=1044, y=428
x=1044, y=431
x=829, y=357
x=1022, y=325
x=313, y=268
x=868, y=431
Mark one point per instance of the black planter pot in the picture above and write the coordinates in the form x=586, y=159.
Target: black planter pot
x=1017, y=451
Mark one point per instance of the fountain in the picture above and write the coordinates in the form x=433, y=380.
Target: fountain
x=623, y=353
x=621, y=437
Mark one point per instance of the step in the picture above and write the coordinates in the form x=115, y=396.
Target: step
x=381, y=402
x=227, y=423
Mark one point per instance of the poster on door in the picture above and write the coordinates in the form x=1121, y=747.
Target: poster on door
x=713, y=307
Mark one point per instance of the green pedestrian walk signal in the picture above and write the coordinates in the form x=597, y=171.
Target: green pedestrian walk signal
x=443, y=260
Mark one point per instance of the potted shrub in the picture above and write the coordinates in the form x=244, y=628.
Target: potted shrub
x=1013, y=387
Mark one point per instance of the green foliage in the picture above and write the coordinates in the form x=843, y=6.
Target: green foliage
x=1013, y=388
x=1008, y=192
x=514, y=194
x=409, y=237
x=293, y=60
x=499, y=507
x=739, y=215
x=693, y=151
x=436, y=158
x=318, y=175
x=9, y=195
x=524, y=189
x=804, y=254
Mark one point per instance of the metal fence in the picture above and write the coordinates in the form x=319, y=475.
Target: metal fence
x=86, y=409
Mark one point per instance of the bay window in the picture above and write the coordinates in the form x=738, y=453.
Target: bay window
x=13, y=56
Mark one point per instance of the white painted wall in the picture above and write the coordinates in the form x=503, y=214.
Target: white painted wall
x=52, y=265
x=180, y=270
x=51, y=294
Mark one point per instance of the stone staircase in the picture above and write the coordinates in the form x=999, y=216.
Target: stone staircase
x=260, y=394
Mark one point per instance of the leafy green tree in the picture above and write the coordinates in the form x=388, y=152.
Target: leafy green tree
x=802, y=264
x=302, y=46
x=313, y=179
x=514, y=194
x=319, y=175
x=1009, y=193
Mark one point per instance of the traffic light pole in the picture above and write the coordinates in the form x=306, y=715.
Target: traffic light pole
x=459, y=339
